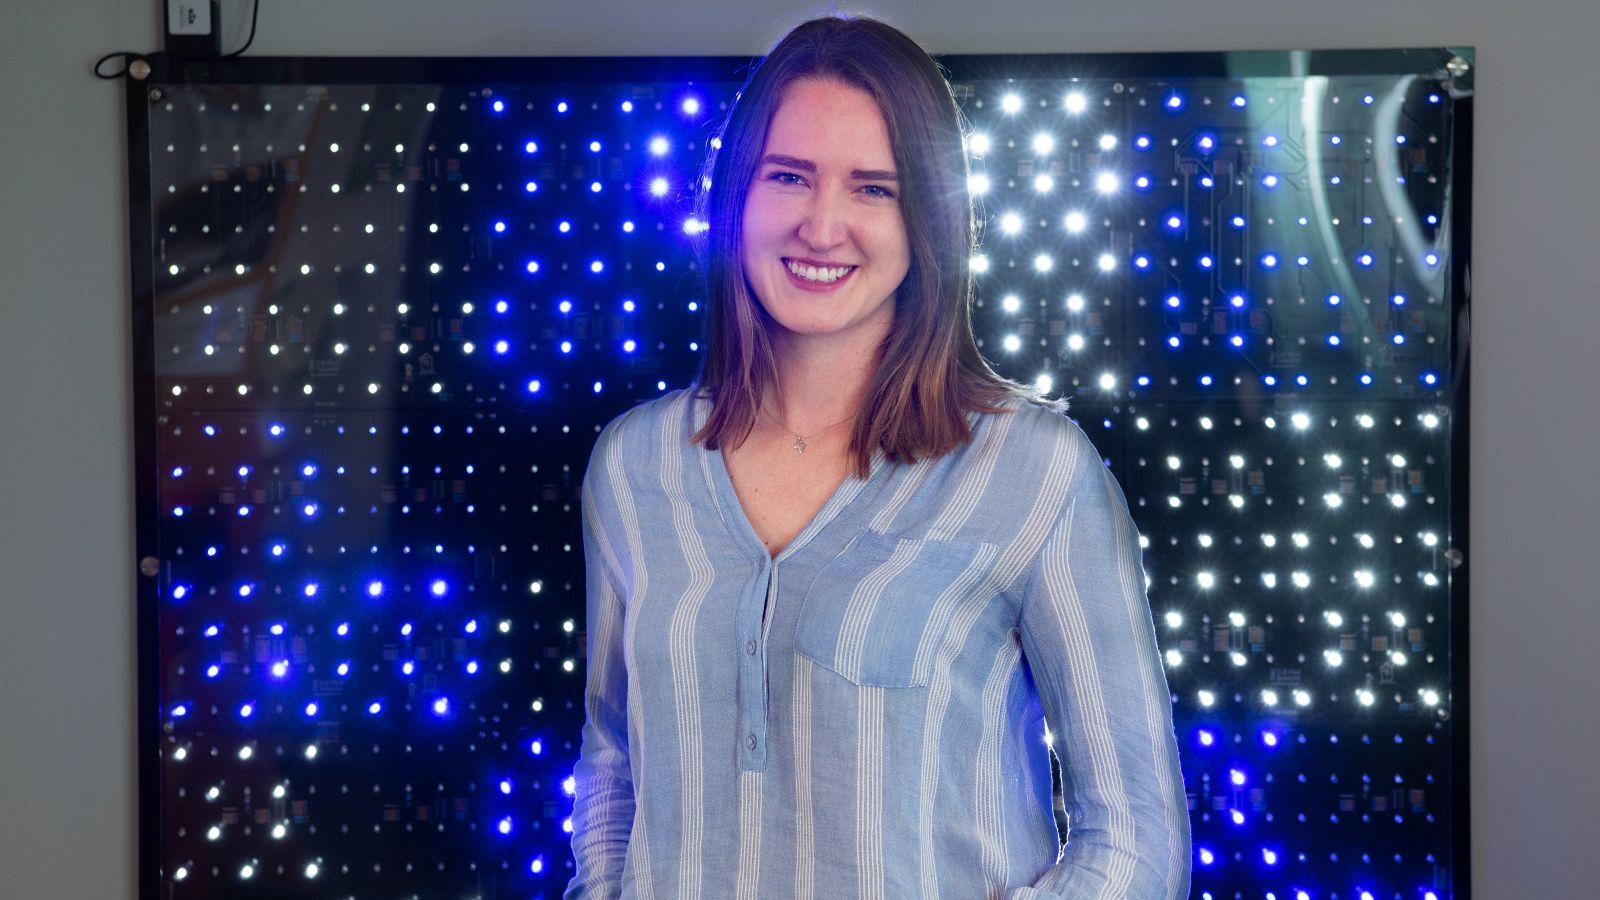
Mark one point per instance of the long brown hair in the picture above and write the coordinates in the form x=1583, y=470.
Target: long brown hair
x=930, y=374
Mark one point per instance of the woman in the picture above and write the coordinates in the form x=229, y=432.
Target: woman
x=838, y=586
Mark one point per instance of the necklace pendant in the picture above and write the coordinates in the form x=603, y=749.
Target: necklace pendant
x=799, y=444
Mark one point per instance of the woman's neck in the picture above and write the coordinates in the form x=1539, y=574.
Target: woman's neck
x=819, y=382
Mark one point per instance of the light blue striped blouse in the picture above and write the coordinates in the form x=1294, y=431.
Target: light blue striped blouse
x=864, y=716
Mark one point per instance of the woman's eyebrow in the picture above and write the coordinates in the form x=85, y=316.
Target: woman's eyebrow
x=806, y=165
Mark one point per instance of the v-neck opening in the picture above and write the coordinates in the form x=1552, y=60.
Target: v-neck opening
x=738, y=521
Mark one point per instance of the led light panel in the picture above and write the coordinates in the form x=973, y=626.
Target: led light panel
x=383, y=308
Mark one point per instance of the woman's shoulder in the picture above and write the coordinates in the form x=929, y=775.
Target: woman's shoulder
x=636, y=430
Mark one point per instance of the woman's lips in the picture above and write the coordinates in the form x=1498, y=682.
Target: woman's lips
x=819, y=287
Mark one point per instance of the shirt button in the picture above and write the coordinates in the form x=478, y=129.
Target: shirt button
x=750, y=647
x=750, y=742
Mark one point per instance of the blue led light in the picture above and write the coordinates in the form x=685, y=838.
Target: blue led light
x=1173, y=302
x=1269, y=181
x=439, y=588
x=627, y=106
x=533, y=266
x=690, y=106
x=628, y=346
x=501, y=347
x=374, y=589
x=598, y=387
x=179, y=592
x=311, y=708
x=499, y=106
x=244, y=509
x=1142, y=142
x=180, y=711
x=441, y=706
x=1174, y=222
x=530, y=147
x=659, y=146
x=1399, y=339
x=374, y=708
x=1175, y=101
x=1269, y=261
x=561, y=106
x=536, y=748
x=533, y=386
x=246, y=710
x=566, y=346
x=531, y=186
x=309, y=510
x=505, y=786
x=564, y=226
x=1333, y=340
x=1364, y=259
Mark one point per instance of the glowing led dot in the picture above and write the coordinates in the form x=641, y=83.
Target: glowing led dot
x=1011, y=103
x=978, y=183
x=1043, y=144
x=1012, y=343
x=1076, y=222
x=1108, y=142
x=659, y=146
x=1076, y=103
x=1043, y=263
x=1107, y=182
x=1010, y=223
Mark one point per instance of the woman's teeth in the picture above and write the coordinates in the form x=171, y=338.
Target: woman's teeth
x=823, y=276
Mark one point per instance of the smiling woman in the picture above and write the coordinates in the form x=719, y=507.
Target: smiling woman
x=824, y=241
x=803, y=684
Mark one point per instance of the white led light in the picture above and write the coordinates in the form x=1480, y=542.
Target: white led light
x=1010, y=303
x=1174, y=658
x=1075, y=303
x=1206, y=580
x=1365, y=696
x=1044, y=384
x=1012, y=343
x=1076, y=102
x=1011, y=103
x=1236, y=619
x=1207, y=699
x=1269, y=697
x=1043, y=263
x=1043, y=144
x=1043, y=184
x=1334, y=657
x=980, y=263
x=1239, y=659
x=1107, y=182
x=978, y=183
x=1010, y=223
x=1108, y=142
x=1107, y=262
x=1108, y=381
x=1301, y=698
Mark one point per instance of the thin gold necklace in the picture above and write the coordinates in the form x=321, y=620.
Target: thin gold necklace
x=799, y=444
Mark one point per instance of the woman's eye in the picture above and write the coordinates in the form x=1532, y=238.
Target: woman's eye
x=878, y=191
x=785, y=177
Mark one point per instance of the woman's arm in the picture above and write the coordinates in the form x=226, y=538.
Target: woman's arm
x=602, y=816
x=1089, y=639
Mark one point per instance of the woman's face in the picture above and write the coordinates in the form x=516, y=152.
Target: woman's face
x=824, y=242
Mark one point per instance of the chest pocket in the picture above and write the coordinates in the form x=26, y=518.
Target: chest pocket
x=876, y=612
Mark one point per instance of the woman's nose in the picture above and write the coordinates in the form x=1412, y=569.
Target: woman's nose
x=823, y=224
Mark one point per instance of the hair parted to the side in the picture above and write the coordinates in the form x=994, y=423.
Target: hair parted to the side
x=930, y=374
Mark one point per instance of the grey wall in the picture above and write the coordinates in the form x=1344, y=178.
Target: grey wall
x=67, y=754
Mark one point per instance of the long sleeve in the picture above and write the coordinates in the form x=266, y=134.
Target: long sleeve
x=603, y=806
x=1088, y=636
